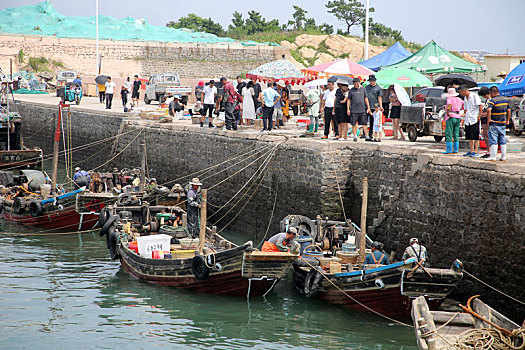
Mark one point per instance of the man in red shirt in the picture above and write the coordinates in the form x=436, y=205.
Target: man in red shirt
x=228, y=99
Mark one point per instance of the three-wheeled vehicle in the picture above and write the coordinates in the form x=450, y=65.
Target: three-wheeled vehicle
x=424, y=119
x=72, y=93
x=297, y=101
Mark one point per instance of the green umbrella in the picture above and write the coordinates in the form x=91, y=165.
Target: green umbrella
x=402, y=76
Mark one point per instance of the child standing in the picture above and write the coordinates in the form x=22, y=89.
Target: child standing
x=378, y=123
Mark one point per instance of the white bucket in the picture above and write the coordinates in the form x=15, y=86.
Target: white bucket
x=45, y=189
x=189, y=243
x=147, y=244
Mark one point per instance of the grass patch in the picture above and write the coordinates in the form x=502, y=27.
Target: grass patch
x=297, y=56
x=275, y=37
x=38, y=64
x=21, y=56
x=57, y=63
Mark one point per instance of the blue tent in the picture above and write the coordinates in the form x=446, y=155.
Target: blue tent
x=394, y=54
x=514, y=83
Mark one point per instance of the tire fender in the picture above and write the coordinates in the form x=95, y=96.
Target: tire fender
x=311, y=282
x=199, y=268
x=36, y=209
x=107, y=225
x=19, y=205
x=112, y=241
x=103, y=217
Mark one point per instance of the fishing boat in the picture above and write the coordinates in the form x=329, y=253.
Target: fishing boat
x=331, y=268
x=163, y=254
x=478, y=327
x=13, y=153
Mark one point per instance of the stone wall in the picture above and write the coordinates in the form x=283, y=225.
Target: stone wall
x=126, y=58
x=459, y=208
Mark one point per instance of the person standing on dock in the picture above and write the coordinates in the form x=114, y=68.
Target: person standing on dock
x=376, y=257
x=375, y=96
x=110, y=90
x=280, y=242
x=473, y=110
x=194, y=204
x=269, y=99
x=414, y=250
x=359, y=108
x=327, y=109
x=453, y=121
x=229, y=97
x=209, y=92
x=498, y=115
x=135, y=94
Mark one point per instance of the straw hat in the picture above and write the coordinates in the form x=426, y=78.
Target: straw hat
x=281, y=83
x=195, y=181
x=451, y=92
x=77, y=168
x=503, y=74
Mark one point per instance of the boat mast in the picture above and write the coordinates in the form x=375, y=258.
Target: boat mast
x=202, y=232
x=56, y=148
x=362, y=237
x=143, y=166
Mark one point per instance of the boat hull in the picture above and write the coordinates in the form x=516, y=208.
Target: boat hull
x=67, y=219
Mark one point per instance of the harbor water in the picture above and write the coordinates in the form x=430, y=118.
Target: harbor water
x=63, y=292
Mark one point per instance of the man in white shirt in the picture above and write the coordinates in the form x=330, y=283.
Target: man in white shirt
x=209, y=91
x=327, y=108
x=110, y=90
x=473, y=109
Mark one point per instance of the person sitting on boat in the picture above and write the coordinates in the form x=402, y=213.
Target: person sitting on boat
x=194, y=204
x=414, y=250
x=376, y=257
x=280, y=242
x=81, y=178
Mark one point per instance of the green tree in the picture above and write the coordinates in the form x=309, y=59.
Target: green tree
x=238, y=21
x=382, y=31
x=194, y=22
x=299, y=18
x=351, y=12
x=326, y=28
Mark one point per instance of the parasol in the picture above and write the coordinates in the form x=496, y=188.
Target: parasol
x=514, y=83
x=278, y=70
x=402, y=76
x=101, y=79
x=339, y=67
x=461, y=79
x=317, y=82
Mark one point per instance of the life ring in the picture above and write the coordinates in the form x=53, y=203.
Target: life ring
x=35, y=208
x=112, y=241
x=107, y=225
x=103, y=217
x=19, y=205
x=311, y=282
x=199, y=268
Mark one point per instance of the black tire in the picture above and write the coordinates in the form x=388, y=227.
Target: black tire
x=1, y=205
x=517, y=132
x=19, y=206
x=295, y=110
x=438, y=138
x=77, y=100
x=103, y=217
x=146, y=99
x=161, y=99
x=35, y=209
x=412, y=133
x=107, y=225
x=162, y=190
x=311, y=282
x=112, y=241
x=307, y=262
x=199, y=268
x=304, y=223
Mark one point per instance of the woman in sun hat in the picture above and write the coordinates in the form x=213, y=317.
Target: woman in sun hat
x=453, y=121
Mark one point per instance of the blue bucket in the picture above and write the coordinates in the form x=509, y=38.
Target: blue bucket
x=312, y=254
x=349, y=247
x=304, y=242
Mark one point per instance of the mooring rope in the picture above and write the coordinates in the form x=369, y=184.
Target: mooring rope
x=493, y=288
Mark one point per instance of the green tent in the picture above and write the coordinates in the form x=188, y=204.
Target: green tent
x=402, y=76
x=434, y=59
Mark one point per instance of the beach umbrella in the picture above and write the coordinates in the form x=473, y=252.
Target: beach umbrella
x=402, y=76
x=514, y=83
x=101, y=79
x=339, y=67
x=461, y=79
x=316, y=82
x=344, y=80
x=334, y=78
x=278, y=70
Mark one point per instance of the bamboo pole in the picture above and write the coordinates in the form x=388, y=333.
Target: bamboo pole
x=202, y=232
x=56, y=149
x=362, y=237
x=143, y=166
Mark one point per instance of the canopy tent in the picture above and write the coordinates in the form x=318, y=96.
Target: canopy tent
x=402, y=76
x=339, y=67
x=434, y=59
x=514, y=83
x=278, y=70
x=394, y=54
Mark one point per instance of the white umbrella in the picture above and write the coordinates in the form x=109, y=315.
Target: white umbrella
x=316, y=82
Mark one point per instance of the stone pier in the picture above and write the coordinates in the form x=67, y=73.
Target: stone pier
x=460, y=208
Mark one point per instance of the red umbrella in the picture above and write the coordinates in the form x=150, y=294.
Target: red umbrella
x=339, y=67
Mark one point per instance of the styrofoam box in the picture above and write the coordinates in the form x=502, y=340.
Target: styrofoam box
x=148, y=244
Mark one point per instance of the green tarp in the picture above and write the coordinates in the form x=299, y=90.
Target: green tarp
x=434, y=59
x=43, y=19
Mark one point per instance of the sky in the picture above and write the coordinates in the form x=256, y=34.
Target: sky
x=495, y=26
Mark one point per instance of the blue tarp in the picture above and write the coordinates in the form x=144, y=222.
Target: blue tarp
x=394, y=54
x=514, y=83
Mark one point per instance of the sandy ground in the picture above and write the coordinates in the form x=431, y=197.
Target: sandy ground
x=291, y=129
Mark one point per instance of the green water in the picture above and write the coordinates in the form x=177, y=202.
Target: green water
x=63, y=292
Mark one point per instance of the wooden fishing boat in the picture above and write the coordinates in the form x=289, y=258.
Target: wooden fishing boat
x=478, y=327
x=216, y=266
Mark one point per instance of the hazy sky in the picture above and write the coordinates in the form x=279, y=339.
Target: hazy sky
x=491, y=25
